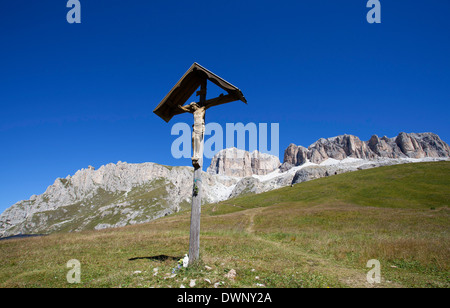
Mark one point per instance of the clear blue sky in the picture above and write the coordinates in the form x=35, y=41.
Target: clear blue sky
x=74, y=95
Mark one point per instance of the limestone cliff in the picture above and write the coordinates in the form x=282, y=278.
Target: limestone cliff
x=403, y=146
x=240, y=163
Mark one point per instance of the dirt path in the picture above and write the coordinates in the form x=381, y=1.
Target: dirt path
x=351, y=277
x=253, y=213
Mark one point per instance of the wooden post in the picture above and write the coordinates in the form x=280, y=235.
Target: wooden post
x=194, y=240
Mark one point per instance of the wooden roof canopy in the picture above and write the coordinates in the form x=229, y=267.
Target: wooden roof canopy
x=187, y=85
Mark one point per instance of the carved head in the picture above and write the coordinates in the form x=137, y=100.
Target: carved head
x=194, y=106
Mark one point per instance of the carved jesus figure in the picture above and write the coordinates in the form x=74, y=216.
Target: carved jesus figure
x=199, y=124
x=198, y=130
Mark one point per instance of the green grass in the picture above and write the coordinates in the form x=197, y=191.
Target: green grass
x=417, y=186
x=315, y=234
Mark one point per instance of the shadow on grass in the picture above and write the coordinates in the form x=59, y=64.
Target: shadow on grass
x=157, y=258
x=20, y=236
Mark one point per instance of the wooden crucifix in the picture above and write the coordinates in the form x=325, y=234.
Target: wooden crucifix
x=173, y=104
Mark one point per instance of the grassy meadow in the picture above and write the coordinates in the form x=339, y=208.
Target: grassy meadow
x=320, y=233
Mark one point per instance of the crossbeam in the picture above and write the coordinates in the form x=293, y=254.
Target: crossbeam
x=222, y=99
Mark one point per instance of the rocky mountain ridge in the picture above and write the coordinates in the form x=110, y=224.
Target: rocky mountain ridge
x=403, y=146
x=120, y=194
x=115, y=195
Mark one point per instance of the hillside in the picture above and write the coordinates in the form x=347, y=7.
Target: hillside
x=123, y=194
x=412, y=186
x=115, y=195
x=319, y=233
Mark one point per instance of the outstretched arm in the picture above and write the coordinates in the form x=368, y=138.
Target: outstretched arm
x=184, y=108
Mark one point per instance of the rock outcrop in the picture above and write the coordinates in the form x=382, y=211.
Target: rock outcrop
x=422, y=145
x=340, y=147
x=239, y=163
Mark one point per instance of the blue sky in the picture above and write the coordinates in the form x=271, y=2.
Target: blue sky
x=74, y=95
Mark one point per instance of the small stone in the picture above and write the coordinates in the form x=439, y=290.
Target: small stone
x=231, y=274
x=168, y=276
